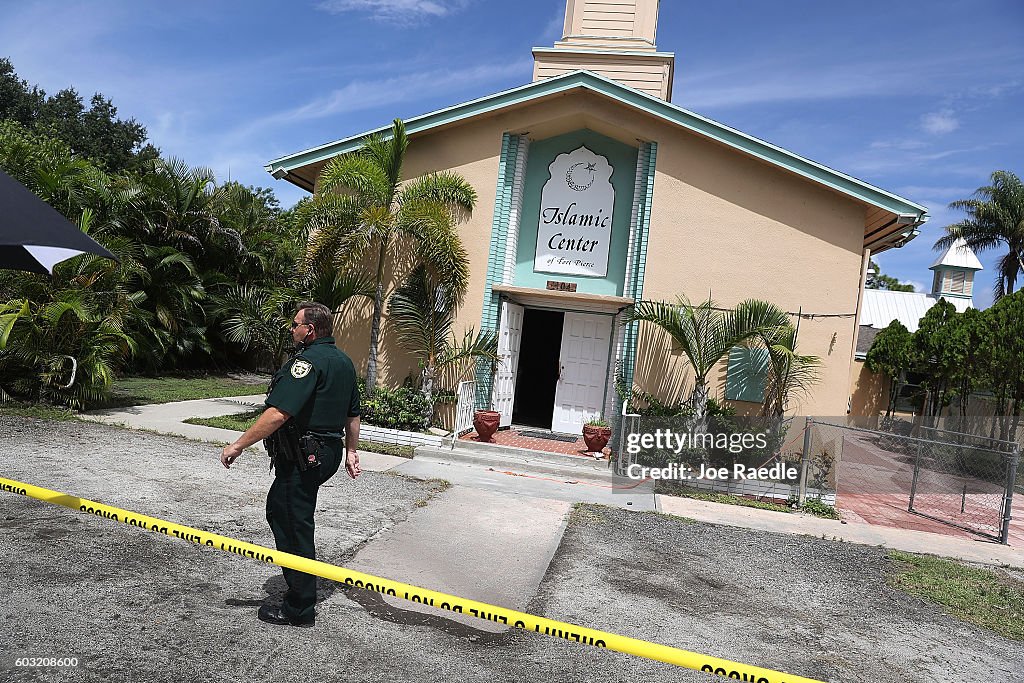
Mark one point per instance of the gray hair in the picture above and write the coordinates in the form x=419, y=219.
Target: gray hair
x=319, y=316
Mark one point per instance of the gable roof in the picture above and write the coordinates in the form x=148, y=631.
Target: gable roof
x=906, y=215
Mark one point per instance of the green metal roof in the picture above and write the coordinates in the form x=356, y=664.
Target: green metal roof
x=586, y=80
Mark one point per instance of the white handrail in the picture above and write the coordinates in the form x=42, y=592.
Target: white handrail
x=464, y=409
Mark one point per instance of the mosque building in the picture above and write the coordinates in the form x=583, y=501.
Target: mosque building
x=595, y=191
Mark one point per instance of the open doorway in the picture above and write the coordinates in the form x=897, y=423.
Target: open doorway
x=537, y=375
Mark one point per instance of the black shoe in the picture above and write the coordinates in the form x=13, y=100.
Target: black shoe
x=274, y=615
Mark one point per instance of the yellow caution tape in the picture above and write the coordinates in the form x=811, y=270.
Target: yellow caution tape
x=481, y=610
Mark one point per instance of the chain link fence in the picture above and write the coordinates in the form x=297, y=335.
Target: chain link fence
x=962, y=480
x=893, y=477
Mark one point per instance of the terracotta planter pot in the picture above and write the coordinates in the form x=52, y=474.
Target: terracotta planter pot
x=596, y=437
x=485, y=422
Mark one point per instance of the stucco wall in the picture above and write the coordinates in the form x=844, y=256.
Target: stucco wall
x=870, y=393
x=721, y=222
x=737, y=228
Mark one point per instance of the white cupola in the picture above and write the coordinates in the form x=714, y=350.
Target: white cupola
x=954, y=271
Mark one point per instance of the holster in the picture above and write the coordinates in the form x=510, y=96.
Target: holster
x=284, y=445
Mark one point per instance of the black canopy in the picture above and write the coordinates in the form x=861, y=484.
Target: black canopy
x=33, y=235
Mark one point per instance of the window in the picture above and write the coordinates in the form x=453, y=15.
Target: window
x=954, y=282
x=748, y=371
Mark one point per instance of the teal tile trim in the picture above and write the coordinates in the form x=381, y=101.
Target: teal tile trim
x=671, y=113
x=635, y=280
x=489, y=318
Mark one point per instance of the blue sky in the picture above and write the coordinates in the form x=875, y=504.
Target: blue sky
x=924, y=99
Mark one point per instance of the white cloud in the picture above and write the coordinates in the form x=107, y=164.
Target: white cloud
x=555, y=27
x=918, y=286
x=402, y=10
x=368, y=94
x=939, y=122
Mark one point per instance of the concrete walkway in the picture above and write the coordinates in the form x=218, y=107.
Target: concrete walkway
x=168, y=418
x=535, y=485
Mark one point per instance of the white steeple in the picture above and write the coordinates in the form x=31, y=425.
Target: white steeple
x=613, y=38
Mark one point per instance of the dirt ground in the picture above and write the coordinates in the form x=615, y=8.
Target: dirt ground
x=137, y=606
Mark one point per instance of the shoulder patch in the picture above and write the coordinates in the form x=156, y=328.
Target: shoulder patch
x=301, y=368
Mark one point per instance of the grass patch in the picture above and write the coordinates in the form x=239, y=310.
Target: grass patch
x=37, y=411
x=819, y=509
x=240, y=422
x=987, y=598
x=386, y=448
x=134, y=391
x=674, y=489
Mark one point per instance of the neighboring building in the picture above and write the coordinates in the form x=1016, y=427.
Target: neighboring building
x=952, y=280
x=595, y=191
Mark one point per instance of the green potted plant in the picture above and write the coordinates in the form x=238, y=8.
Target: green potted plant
x=596, y=433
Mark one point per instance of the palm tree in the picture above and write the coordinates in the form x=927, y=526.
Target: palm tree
x=423, y=313
x=179, y=208
x=789, y=373
x=706, y=333
x=995, y=217
x=257, y=317
x=363, y=207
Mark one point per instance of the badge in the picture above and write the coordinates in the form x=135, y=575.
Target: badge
x=301, y=368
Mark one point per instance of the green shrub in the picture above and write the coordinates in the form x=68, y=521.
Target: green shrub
x=819, y=509
x=401, y=408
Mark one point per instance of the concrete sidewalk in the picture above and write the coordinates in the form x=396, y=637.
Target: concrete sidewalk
x=168, y=418
x=531, y=475
x=984, y=552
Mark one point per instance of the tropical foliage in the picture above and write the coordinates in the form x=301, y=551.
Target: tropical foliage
x=164, y=303
x=790, y=374
x=422, y=312
x=364, y=210
x=995, y=219
x=207, y=273
x=956, y=355
x=706, y=333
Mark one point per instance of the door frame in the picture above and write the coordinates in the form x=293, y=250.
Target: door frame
x=612, y=356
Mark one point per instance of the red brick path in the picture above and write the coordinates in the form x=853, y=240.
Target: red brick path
x=874, y=487
x=512, y=437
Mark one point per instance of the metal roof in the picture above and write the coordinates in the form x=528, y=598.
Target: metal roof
x=880, y=307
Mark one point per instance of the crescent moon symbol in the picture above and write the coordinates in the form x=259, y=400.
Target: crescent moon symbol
x=574, y=185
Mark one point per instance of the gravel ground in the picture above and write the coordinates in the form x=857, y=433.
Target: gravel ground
x=137, y=606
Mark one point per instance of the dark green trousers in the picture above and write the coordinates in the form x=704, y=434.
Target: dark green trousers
x=291, y=503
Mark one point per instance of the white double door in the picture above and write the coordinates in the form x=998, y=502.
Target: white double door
x=583, y=368
x=583, y=363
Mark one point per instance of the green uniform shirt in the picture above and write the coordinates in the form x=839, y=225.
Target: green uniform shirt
x=318, y=388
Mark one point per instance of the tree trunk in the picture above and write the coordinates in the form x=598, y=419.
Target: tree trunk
x=429, y=372
x=378, y=307
x=699, y=405
x=894, y=391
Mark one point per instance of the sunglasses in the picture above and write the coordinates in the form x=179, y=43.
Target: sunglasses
x=295, y=324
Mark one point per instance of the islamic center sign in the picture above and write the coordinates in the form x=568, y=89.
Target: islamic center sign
x=576, y=206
